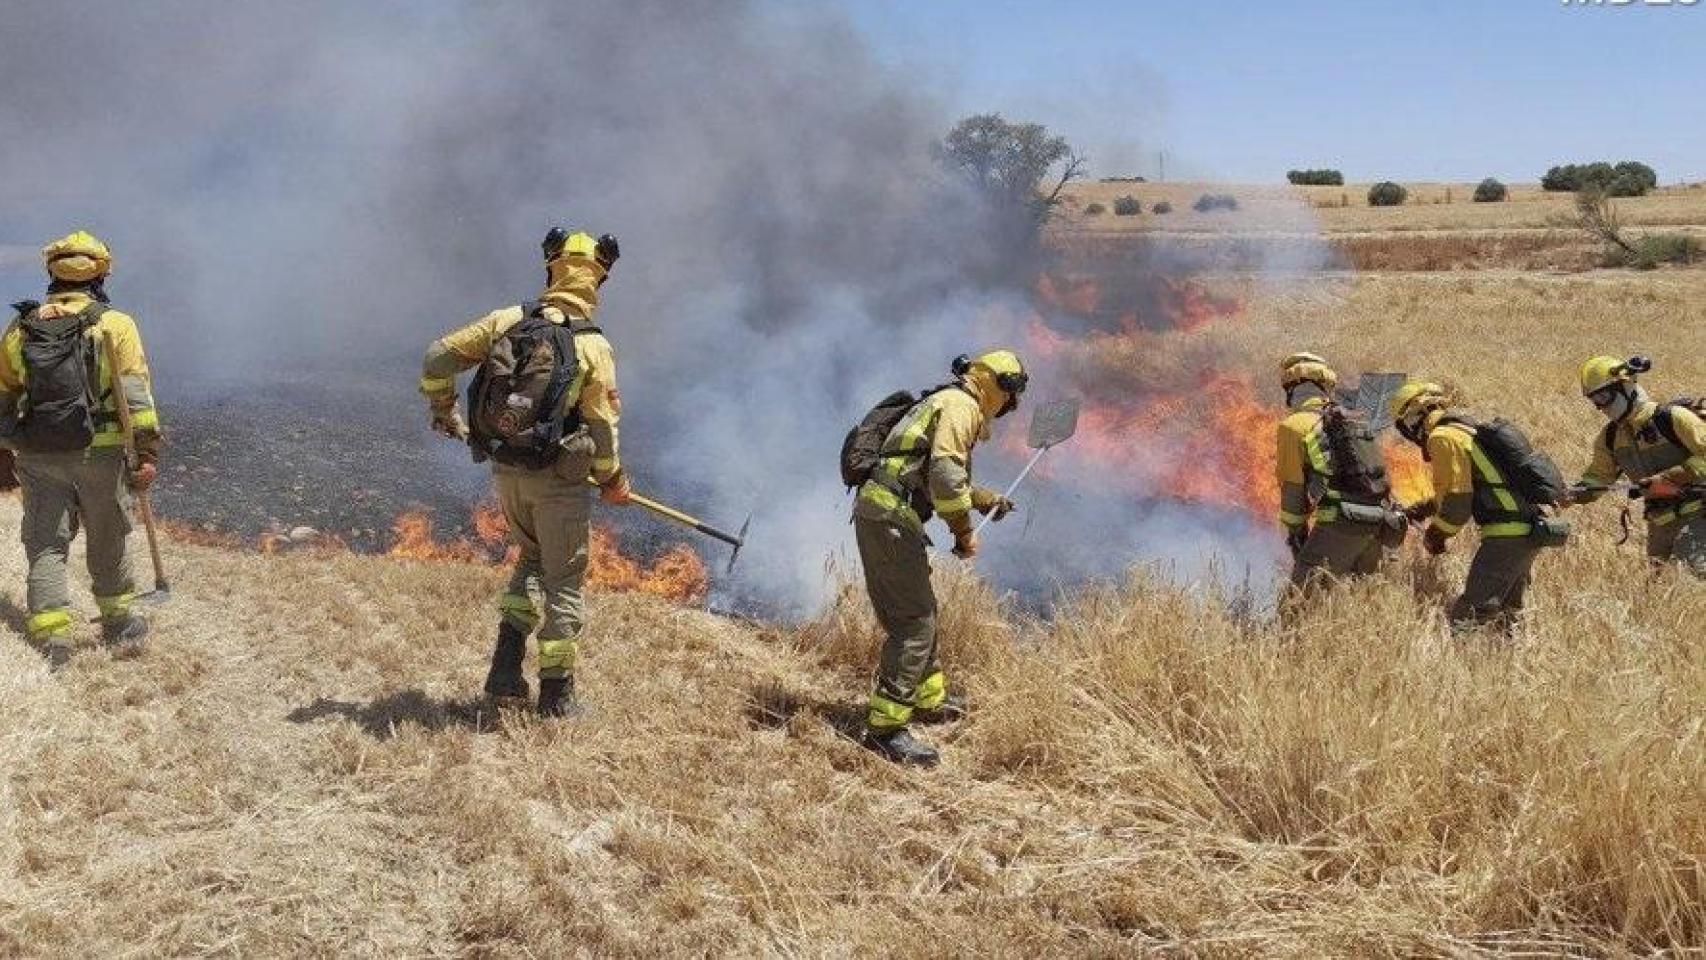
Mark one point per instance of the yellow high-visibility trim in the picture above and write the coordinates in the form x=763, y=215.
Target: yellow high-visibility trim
x=48, y=624
x=886, y=714
x=1503, y=530
x=883, y=498
x=1444, y=526
x=1696, y=466
x=1494, y=479
x=959, y=504
x=432, y=385
x=1691, y=508
x=557, y=656
x=115, y=607
x=1317, y=456
x=148, y=419
x=932, y=691
x=518, y=609
x=1290, y=519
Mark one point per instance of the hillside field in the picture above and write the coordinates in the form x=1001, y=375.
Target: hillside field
x=298, y=766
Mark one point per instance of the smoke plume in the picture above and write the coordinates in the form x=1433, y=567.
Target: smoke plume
x=308, y=193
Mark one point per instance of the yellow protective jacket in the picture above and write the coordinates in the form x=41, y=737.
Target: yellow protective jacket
x=573, y=295
x=132, y=369
x=1468, y=485
x=1302, y=465
x=927, y=457
x=1637, y=449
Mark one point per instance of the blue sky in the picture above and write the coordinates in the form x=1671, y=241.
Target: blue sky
x=1450, y=89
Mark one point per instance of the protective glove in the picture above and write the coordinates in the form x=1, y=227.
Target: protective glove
x=965, y=538
x=448, y=422
x=1294, y=538
x=991, y=504
x=616, y=490
x=142, y=476
x=1434, y=541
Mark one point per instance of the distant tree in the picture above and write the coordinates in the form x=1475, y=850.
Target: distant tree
x=1630, y=178
x=1095, y=210
x=1161, y=207
x=1010, y=163
x=1127, y=206
x=1387, y=194
x=1490, y=191
x=1210, y=202
x=1315, y=178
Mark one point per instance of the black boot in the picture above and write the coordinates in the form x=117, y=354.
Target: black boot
x=504, y=681
x=952, y=709
x=125, y=636
x=903, y=748
x=557, y=698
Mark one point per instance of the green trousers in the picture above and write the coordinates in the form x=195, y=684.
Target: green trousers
x=1338, y=548
x=897, y=577
x=1682, y=541
x=62, y=491
x=549, y=513
x=1497, y=585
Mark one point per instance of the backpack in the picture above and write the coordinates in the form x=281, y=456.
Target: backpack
x=61, y=397
x=514, y=399
x=1526, y=470
x=1667, y=426
x=862, y=449
x=1359, y=468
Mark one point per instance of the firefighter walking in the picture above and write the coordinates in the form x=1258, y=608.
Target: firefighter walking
x=543, y=408
x=1661, y=448
x=57, y=412
x=1474, y=479
x=924, y=467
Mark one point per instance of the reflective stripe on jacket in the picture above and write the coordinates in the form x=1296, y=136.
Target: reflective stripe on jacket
x=1468, y=485
x=132, y=368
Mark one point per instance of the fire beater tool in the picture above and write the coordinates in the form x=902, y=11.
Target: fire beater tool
x=1372, y=397
x=144, y=502
x=1052, y=425
x=736, y=540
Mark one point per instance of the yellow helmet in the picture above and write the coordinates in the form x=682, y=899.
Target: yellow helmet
x=1414, y=395
x=1008, y=369
x=79, y=257
x=1300, y=367
x=1601, y=372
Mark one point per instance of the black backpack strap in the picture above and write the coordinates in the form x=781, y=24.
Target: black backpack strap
x=1663, y=419
x=23, y=308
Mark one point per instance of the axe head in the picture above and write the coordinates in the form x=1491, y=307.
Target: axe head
x=741, y=537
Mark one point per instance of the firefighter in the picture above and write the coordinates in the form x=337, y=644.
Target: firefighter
x=69, y=446
x=1468, y=485
x=1321, y=540
x=925, y=468
x=541, y=472
x=1660, y=448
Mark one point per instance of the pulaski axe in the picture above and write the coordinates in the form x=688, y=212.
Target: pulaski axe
x=144, y=503
x=1051, y=425
x=736, y=540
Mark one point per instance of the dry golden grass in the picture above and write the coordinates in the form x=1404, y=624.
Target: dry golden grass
x=1345, y=210
x=296, y=767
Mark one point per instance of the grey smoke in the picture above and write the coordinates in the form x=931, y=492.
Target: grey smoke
x=314, y=190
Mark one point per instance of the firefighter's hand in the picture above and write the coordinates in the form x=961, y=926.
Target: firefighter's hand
x=991, y=504
x=142, y=476
x=449, y=423
x=1433, y=541
x=965, y=545
x=616, y=491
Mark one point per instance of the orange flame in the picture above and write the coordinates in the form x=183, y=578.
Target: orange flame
x=678, y=574
x=1412, y=479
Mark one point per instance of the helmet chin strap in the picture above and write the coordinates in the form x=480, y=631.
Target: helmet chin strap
x=1629, y=396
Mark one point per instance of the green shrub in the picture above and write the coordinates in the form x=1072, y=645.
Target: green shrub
x=1630, y=178
x=1315, y=178
x=1210, y=202
x=1127, y=206
x=1095, y=210
x=1387, y=194
x=1656, y=248
x=1491, y=191
x=1161, y=206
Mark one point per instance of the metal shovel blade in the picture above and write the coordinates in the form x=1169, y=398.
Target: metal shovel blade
x=1054, y=422
x=1373, y=393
